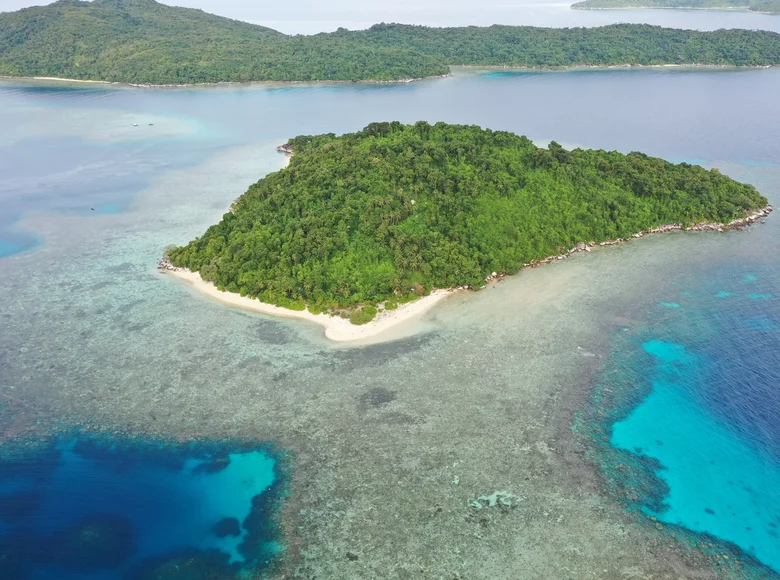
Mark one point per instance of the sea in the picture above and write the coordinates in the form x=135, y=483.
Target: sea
x=627, y=400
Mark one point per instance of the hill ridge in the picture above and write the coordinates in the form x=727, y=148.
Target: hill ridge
x=147, y=43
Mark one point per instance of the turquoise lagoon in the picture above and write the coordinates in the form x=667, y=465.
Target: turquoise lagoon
x=696, y=415
x=107, y=507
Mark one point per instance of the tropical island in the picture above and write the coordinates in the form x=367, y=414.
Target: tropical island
x=368, y=221
x=142, y=42
x=764, y=6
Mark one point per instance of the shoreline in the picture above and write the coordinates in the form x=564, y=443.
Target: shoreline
x=735, y=224
x=340, y=329
x=222, y=83
x=743, y=9
x=571, y=68
x=337, y=329
x=596, y=67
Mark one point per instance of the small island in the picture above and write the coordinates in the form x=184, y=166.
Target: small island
x=763, y=6
x=145, y=43
x=395, y=216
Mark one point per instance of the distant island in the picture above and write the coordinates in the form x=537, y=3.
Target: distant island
x=143, y=42
x=765, y=6
x=368, y=221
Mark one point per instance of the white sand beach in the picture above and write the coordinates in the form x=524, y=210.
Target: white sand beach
x=336, y=328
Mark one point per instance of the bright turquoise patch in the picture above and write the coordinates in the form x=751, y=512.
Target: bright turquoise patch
x=125, y=510
x=718, y=484
x=723, y=294
x=666, y=351
x=110, y=208
x=669, y=304
x=9, y=248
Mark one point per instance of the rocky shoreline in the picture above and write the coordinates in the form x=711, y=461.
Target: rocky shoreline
x=164, y=265
x=736, y=224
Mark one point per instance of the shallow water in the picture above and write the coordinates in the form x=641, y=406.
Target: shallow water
x=712, y=416
x=483, y=391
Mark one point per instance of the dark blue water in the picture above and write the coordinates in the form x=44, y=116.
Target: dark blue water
x=707, y=424
x=110, y=508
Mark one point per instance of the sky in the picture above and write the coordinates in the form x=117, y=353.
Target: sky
x=312, y=16
x=309, y=16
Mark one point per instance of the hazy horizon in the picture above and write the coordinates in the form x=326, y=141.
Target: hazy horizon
x=356, y=13
x=311, y=17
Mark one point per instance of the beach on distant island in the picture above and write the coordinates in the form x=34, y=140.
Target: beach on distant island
x=337, y=329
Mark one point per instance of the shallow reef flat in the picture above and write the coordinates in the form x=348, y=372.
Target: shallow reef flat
x=445, y=454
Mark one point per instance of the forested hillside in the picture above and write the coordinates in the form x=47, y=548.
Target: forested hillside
x=527, y=46
x=144, y=42
x=367, y=216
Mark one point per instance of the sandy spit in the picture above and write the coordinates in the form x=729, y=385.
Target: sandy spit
x=336, y=328
x=224, y=83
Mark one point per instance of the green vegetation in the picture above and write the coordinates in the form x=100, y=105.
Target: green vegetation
x=395, y=210
x=363, y=315
x=617, y=44
x=143, y=42
x=770, y=6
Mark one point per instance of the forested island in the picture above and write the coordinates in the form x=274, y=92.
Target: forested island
x=146, y=43
x=389, y=213
x=766, y=6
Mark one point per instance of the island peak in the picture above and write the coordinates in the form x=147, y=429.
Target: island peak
x=393, y=212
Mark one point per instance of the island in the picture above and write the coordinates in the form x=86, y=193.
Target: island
x=144, y=43
x=396, y=216
x=764, y=6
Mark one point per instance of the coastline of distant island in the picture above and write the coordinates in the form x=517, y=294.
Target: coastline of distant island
x=130, y=43
x=757, y=6
x=573, y=68
x=270, y=83
x=396, y=217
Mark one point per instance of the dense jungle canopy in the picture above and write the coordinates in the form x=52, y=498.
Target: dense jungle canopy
x=397, y=209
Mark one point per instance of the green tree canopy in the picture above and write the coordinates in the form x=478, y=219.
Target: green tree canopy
x=143, y=42
x=394, y=209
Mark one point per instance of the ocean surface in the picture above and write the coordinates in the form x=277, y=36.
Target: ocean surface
x=663, y=353
x=96, y=509
x=701, y=421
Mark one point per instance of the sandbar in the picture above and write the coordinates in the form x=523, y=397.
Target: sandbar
x=336, y=328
